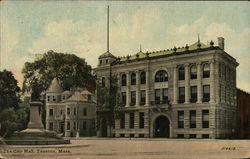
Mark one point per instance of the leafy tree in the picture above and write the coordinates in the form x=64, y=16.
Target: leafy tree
x=9, y=91
x=71, y=70
x=8, y=118
x=11, y=120
x=106, y=102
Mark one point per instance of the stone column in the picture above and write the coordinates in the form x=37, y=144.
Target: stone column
x=118, y=94
x=212, y=81
x=138, y=88
x=175, y=83
x=147, y=87
x=128, y=90
x=199, y=84
x=217, y=85
x=187, y=87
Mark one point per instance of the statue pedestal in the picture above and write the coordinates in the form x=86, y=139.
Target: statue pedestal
x=35, y=134
x=35, y=120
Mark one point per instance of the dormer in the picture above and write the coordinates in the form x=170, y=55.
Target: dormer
x=106, y=59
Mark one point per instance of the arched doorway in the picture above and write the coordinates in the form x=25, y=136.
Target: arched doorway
x=161, y=128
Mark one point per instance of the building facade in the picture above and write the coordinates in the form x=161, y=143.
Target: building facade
x=185, y=92
x=70, y=111
x=243, y=105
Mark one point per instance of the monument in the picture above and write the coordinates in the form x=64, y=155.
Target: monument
x=35, y=134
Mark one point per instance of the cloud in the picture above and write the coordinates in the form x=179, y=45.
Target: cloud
x=9, y=39
x=236, y=43
x=144, y=27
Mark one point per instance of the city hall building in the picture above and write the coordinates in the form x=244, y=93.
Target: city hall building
x=70, y=111
x=185, y=92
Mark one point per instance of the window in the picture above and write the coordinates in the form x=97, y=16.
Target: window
x=122, y=135
x=74, y=111
x=122, y=121
x=192, y=123
x=131, y=135
x=124, y=80
x=100, y=61
x=225, y=95
x=84, y=125
x=50, y=125
x=205, y=118
x=63, y=97
x=48, y=98
x=193, y=94
x=193, y=72
x=107, y=61
x=132, y=120
x=89, y=97
x=164, y=95
x=123, y=98
x=51, y=112
x=161, y=76
x=143, y=97
x=133, y=98
x=192, y=136
x=206, y=71
x=206, y=93
x=141, y=120
x=143, y=77
x=103, y=81
x=181, y=73
x=141, y=135
x=74, y=126
x=205, y=136
x=180, y=119
x=133, y=79
x=157, y=96
x=84, y=111
x=54, y=98
x=180, y=136
x=68, y=111
x=225, y=72
x=68, y=125
x=181, y=95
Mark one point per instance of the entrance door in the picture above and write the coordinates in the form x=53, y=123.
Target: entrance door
x=62, y=127
x=104, y=128
x=161, y=127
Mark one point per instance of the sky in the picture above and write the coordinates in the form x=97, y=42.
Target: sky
x=29, y=28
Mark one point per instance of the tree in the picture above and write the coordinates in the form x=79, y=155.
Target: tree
x=71, y=70
x=8, y=118
x=9, y=91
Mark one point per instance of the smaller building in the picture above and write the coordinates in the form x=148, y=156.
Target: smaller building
x=243, y=104
x=70, y=111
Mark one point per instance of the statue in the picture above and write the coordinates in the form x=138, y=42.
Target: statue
x=35, y=92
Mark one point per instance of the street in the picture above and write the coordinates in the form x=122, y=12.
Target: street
x=97, y=148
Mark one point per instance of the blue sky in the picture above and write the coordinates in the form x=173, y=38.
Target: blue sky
x=79, y=27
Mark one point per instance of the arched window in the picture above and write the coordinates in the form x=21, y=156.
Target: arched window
x=181, y=73
x=161, y=76
x=206, y=71
x=124, y=80
x=103, y=81
x=133, y=79
x=193, y=72
x=143, y=77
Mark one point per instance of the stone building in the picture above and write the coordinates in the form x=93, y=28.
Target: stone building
x=69, y=111
x=243, y=105
x=185, y=92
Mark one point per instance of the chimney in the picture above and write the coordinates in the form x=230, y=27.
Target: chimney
x=221, y=42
